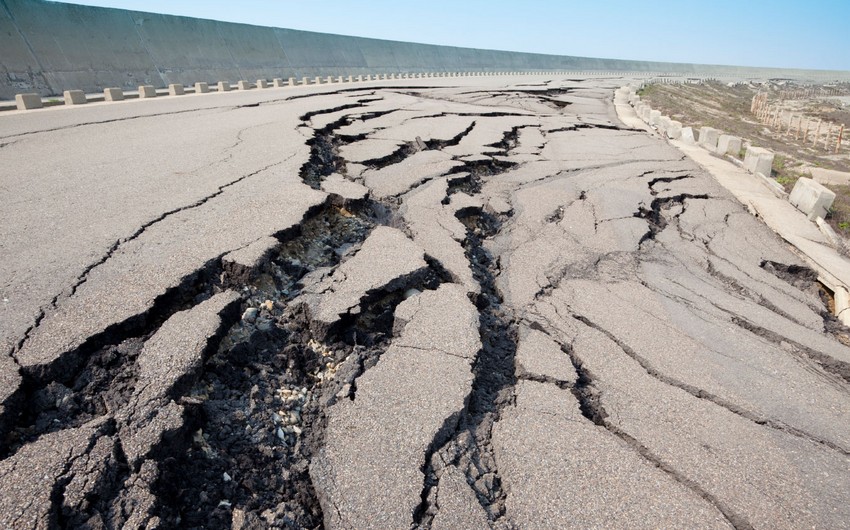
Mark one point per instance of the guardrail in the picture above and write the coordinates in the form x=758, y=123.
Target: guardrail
x=31, y=101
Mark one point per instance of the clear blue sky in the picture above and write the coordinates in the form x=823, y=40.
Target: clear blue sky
x=779, y=33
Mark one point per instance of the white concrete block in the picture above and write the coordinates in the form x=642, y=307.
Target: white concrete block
x=306, y=81
x=175, y=89
x=330, y=79
x=28, y=101
x=674, y=130
x=359, y=78
x=113, y=94
x=147, y=91
x=202, y=88
x=350, y=79
x=277, y=82
x=708, y=137
x=654, y=116
x=687, y=135
x=758, y=160
x=728, y=145
x=223, y=86
x=262, y=83
x=318, y=80
x=811, y=198
x=664, y=123
x=292, y=81
x=75, y=97
x=243, y=85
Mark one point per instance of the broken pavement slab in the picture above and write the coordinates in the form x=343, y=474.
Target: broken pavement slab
x=436, y=228
x=347, y=190
x=541, y=357
x=162, y=258
x=387, y=261
x=398, y=178
x=173, y=355
x=368, y=474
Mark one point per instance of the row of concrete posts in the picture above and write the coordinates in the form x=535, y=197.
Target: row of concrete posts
x=78, y=97
x=808, y=196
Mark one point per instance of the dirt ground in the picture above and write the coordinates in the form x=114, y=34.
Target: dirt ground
x=727, y=108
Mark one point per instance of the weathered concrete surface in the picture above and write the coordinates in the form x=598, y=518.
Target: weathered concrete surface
x=537, y=316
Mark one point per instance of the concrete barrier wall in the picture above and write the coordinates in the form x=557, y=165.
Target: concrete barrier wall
x=47, y=48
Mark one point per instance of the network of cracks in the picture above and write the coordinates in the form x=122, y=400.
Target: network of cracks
x=252, y=412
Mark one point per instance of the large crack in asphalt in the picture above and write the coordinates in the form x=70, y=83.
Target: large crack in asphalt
x=807, y=280
x=588, y=396
x=468, y=445
x=262, y=397
x=96, y=377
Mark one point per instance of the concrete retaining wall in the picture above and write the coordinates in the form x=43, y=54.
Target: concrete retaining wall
x=48, y=47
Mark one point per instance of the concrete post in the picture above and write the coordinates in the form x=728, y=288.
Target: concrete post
x=243, y=85
x=277, y=82
x=113, y=94
x=708, y=137
x=28, y=101
x=262, y=83
x=758, y=160
x=305, y=81
x=359, y=78
x=75, y=97
x=147, y=91
x=175, y=89
x=674, y=130
x=654, y=116
x=223, y=86
x=201, y=88
x=728, y=145
x=811, y=198
x=292, y=81
x=351, y=79
x=318, y=80
x=330, y=79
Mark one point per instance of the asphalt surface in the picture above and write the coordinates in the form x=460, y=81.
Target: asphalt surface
x=430, y=303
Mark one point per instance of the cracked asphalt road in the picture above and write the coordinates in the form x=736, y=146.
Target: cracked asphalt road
x=476, y=303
